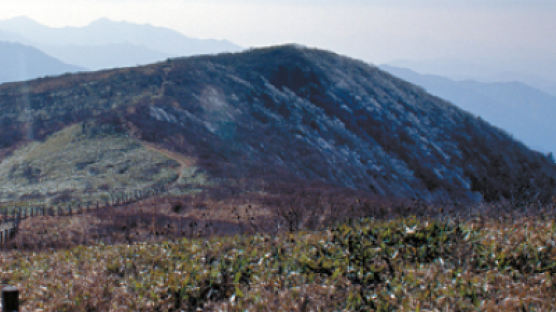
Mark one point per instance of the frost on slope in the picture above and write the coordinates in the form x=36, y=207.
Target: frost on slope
x=289, y=113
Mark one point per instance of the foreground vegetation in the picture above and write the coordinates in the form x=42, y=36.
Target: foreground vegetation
x=408, y=264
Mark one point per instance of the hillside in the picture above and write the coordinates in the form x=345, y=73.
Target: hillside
x=525, y=112
x=280, y=114
x=20, y=62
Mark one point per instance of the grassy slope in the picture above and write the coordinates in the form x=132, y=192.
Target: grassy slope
x=73, y=164
x=405, y=264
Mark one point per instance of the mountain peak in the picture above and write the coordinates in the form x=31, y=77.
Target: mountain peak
x=21, y=23
x=22, y=19
x=101, y=21
x=105, y=43
x=105, y=21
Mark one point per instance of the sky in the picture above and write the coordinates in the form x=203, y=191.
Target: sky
x=510, y=34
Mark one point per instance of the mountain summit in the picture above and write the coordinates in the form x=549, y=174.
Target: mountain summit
x=283, y=113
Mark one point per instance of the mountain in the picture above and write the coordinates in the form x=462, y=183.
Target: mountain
x=283, y=114
x=10, y=37
x=538, y=73
x=105, y=43
x=20, y=62
x=108, y=55
x=525, y=112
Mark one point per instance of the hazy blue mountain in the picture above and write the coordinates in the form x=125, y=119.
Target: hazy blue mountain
x=541, y=83
x=20, y=62
x=105, y=43
x=523, y=111
x=107, y=56
x=11, y=37
x=483, y=70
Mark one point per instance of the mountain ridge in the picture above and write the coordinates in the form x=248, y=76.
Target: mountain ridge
x=149, y=43
x=485, y=71
x=21, y=62
x=521, y=110
x=284, y=113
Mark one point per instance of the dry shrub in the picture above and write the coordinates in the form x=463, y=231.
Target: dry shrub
x=55, y=232
x=282, y=207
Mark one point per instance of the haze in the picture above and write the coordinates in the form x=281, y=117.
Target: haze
x=512, y=37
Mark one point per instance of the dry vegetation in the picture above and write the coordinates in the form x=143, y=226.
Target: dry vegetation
x=314, y=249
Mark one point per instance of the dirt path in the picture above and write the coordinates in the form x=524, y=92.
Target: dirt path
x=183, y=161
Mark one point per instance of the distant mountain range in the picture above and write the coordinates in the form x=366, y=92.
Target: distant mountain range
x=268, y=116
x=525, y=112
x=20, y=62
x=539, y=73
x=107, y=44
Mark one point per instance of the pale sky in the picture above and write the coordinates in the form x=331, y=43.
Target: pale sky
x=507, y=31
